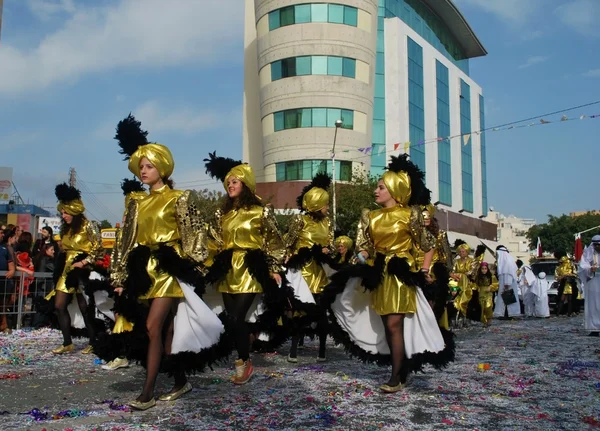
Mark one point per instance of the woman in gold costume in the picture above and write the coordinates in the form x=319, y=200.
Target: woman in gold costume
x=161, y=248
x=387, y=237
x=249, y=254
x=309, y=242
x=486, y=284
x=463, y=272
x=82, y=246
x=566, y=275
x=343, y=245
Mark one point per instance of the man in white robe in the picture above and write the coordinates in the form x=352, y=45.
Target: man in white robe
x=507, y=280
x=588, y=266
x=540, y=293
x=526, y=281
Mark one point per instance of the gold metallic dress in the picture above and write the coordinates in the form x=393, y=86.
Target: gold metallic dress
x=393, y=232
x=463, y=267
x=486, y=298
x=163, y=217
x=565, y=269
x=87, y=240
x=241, y=230
x=304, y=232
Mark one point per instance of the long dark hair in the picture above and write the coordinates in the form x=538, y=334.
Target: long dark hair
x=8, y=233
x=245, y=200
x=484, y=279
x=317, y=215
x=434, y=226
x=73, y=228
x=169, y=182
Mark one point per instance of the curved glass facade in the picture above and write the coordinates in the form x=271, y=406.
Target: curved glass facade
x=306, y=169
x=312, y=117
x=313, y=12
x=313, y=65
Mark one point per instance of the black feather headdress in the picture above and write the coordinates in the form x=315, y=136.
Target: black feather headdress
x=321, y=180
x=458, y=243
x=131, y=186
x=420, y=194
x=218, y=167
x=66, y=193
x=130, y=136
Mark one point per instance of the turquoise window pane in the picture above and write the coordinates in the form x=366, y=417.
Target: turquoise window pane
x=291, y=171
x=319, y=166
x=319, y=117
x=380, y=62
x=333, y=114
x=379, y=109
x=274, y=20
x=288, y=67
x=302, y=13
x=287, y=15
x=345, y=171
x=318, y=12
x=336, y=13
x=378, y=132
x=276, y=71
x=290, y=119
x=334, y=66
x=280, y=172
x=278, y=119
x=349, y=67
x=319, y=65
x=305, y=117
x=303, y=66
x=350, y=16
x=305, y=170
x=347, y=119
x=379, y=85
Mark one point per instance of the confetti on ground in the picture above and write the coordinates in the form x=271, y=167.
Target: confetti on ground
x=524, y=374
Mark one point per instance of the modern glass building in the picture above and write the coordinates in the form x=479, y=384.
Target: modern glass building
x=396, y=72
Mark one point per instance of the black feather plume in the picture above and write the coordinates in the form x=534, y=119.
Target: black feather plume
x=420, y=194
x=481, y=248
x=130, y=136
x=321, y=180
x=66, y=193
x=218, y=167
x=458, y=243
x=130, y=186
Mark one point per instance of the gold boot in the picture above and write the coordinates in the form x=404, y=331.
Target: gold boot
x=64, y=349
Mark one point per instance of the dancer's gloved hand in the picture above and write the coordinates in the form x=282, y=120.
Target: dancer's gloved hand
x=277, y=278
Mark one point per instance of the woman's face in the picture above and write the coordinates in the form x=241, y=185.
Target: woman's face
x=234, y=187
x=341, y=248
x=68, y=218
x=148, y=172
x=382, y=195
x=50, y=251
x=484, y=269
x=462, y=252
x=325, y=210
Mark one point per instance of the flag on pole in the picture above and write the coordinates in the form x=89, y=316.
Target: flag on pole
x=396, y=146
x=466, y=138
x=539, y=247
x=578, y=252
x=406, y=146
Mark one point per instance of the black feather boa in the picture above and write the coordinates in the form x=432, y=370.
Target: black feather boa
x=440, y=289
x=305, y=255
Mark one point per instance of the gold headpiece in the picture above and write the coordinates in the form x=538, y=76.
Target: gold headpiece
x=157, y=154
x=398, y=184
x=464, y=246
x=315, y=199
x=245, y=174
x=345, y=241
x=69, y=199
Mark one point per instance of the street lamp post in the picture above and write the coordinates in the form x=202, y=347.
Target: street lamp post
x=338, y=124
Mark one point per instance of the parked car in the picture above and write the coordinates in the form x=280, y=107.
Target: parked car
x=549, y=265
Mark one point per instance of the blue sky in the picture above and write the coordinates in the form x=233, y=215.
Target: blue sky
x=70, y=70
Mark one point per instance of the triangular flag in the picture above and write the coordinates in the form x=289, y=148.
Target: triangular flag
x=361, y=150
x=582, y=117
x=532, y=124
x=368, y=150
x=495, y=129
x=440, y=139
x=544, y=121
x=564, y=118
x=346, y=151
x=466, y=138
x=406, y=146
x=396, y=146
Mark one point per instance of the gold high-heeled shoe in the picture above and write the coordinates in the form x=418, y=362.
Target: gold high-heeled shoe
x=64, y=349
x=391, y=389
x=172, y=396
x=139, y=405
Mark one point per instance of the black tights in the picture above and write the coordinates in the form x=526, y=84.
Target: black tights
x=322, y=330
x=159, y=317
x=237, y=306
x=566, y=299
x=61, y=301
x=394, y=334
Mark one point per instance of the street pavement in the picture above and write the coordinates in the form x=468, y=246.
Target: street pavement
x=543, y=375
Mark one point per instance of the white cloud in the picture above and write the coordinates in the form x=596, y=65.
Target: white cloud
x=132, y=33
x=582, y=16
x=592, y=73
x=533, y=60
x=516, y=12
